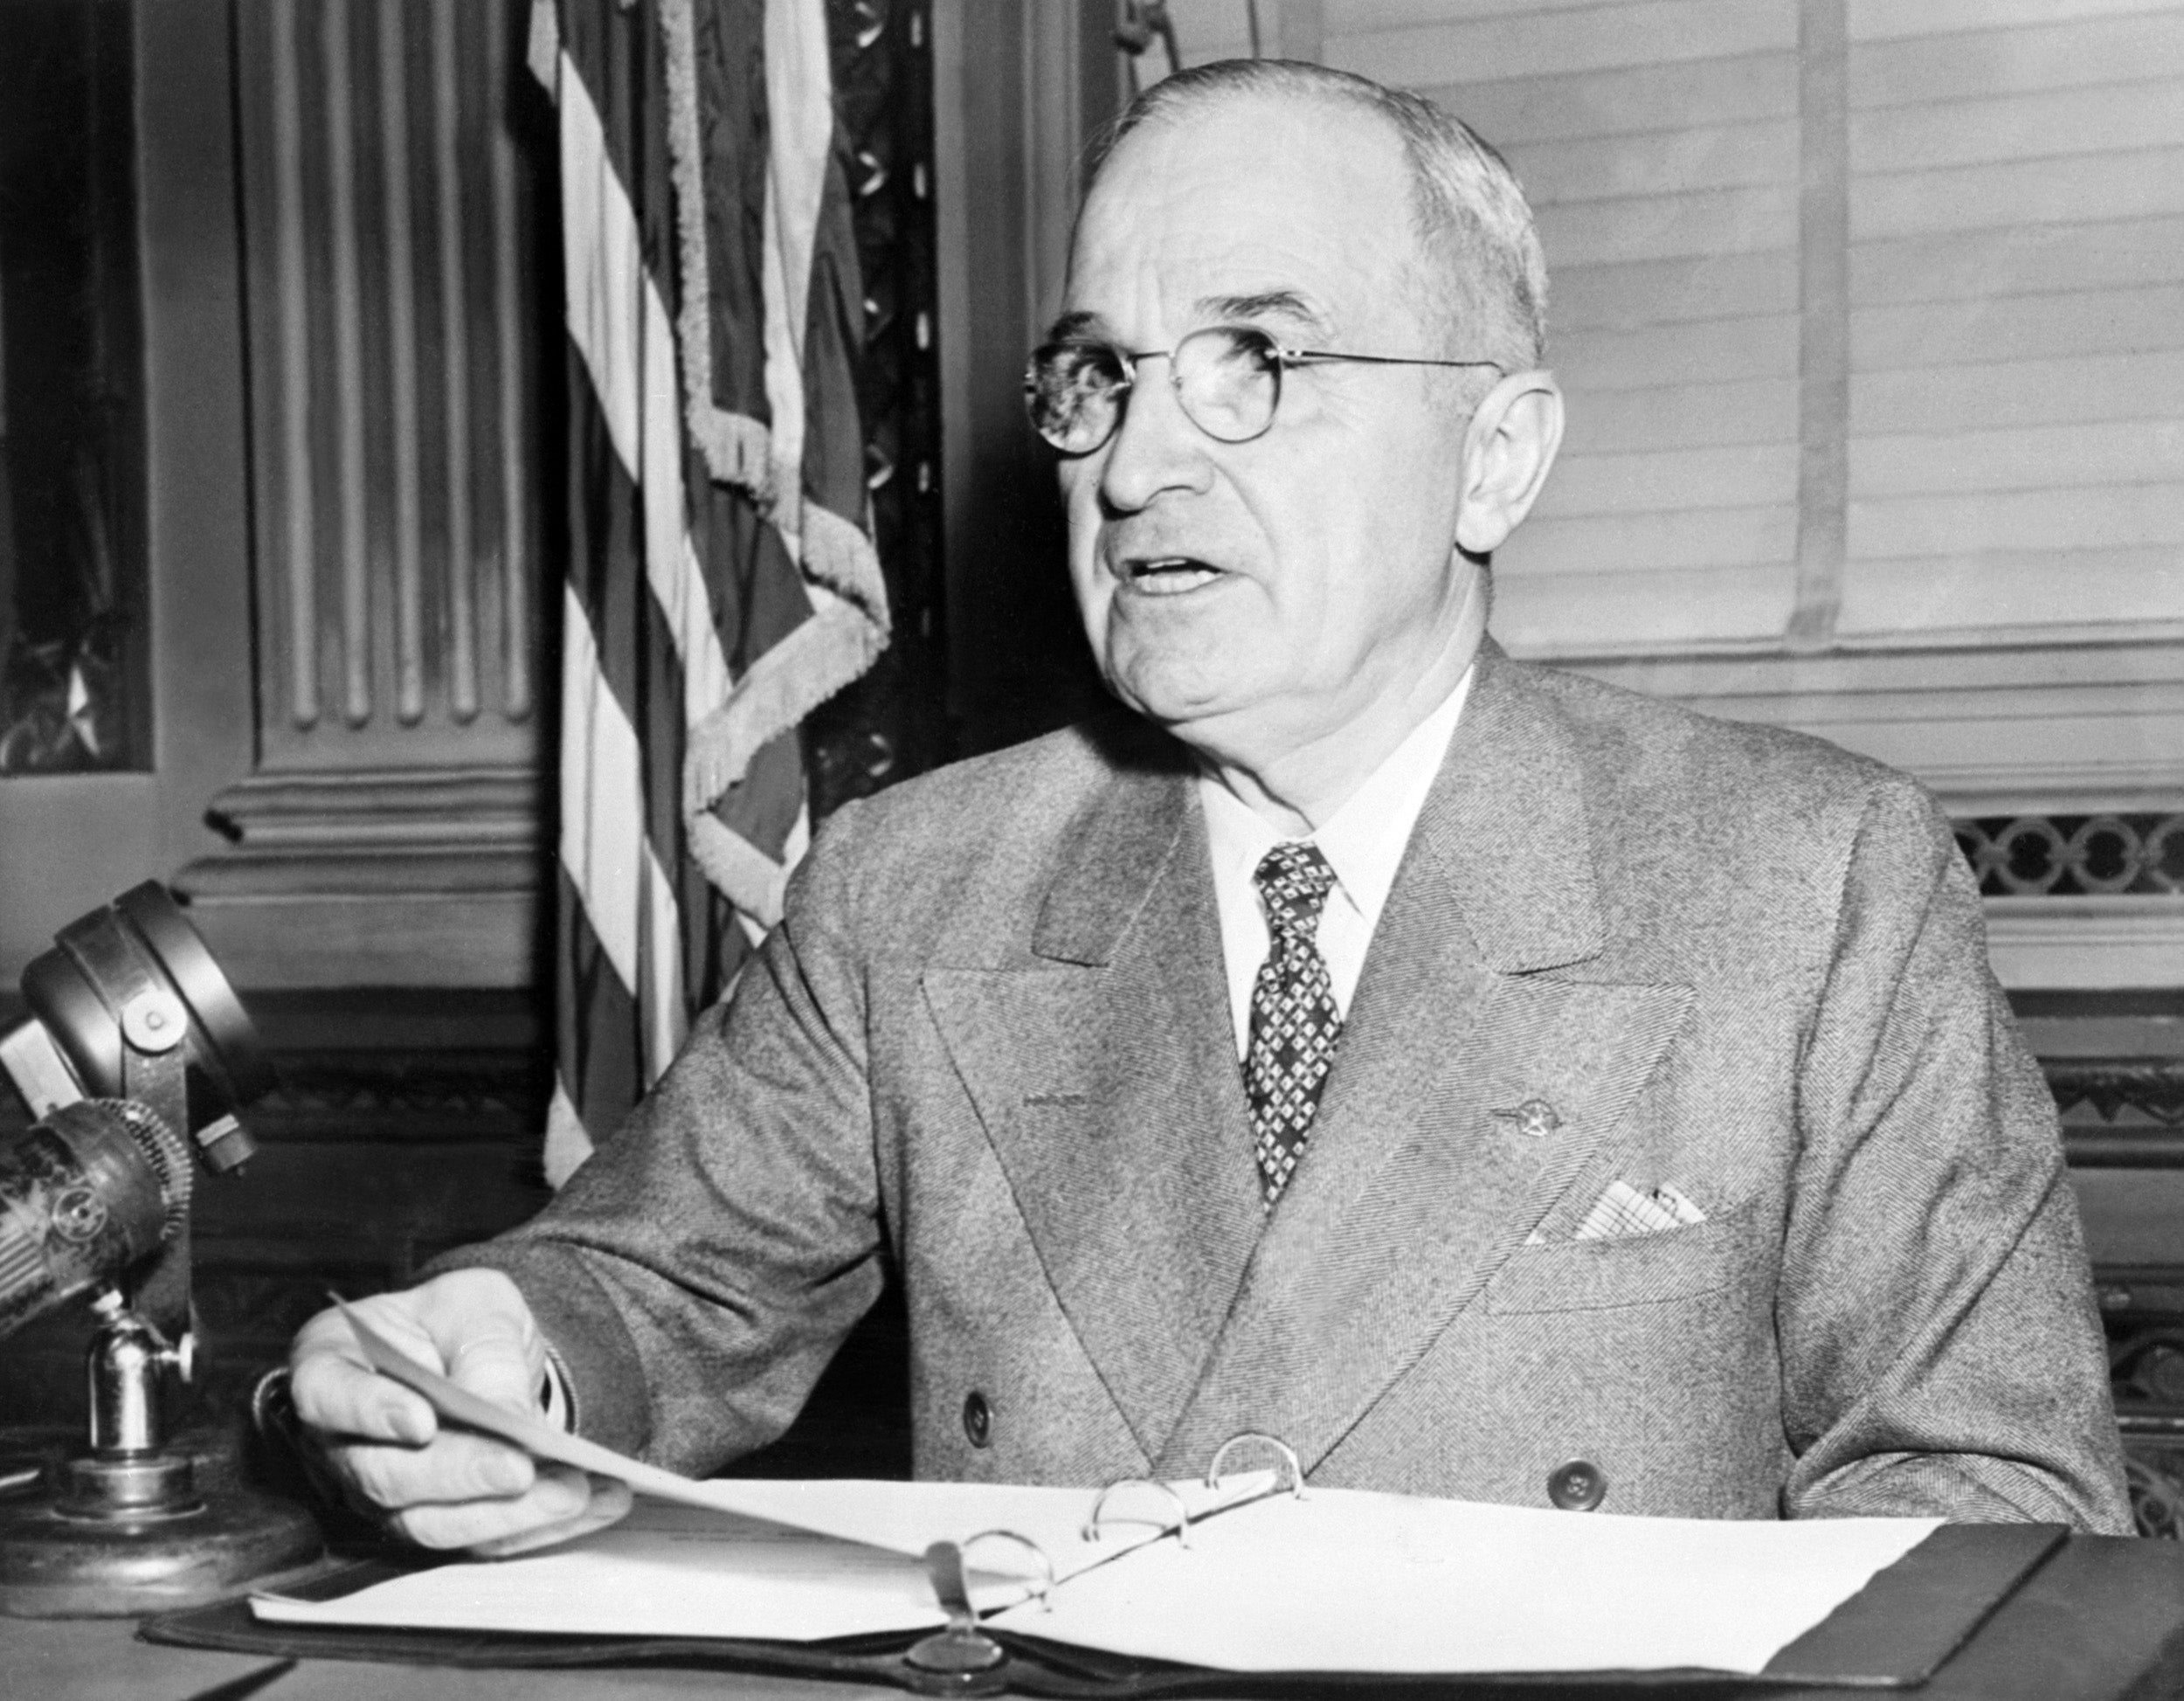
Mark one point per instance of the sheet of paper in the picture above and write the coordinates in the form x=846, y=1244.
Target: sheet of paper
x=1337, y=1581
x=1342, y=1581
x=664, y=1570
x=904, y=1518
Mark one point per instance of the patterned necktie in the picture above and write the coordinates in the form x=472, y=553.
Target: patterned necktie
x=1295, y=1025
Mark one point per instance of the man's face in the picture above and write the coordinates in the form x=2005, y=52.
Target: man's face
x=1256, y=598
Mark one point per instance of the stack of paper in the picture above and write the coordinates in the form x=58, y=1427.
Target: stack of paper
x=1262, y=1580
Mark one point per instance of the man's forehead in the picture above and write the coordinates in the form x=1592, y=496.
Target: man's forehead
x=1251, y=208
x=1278, y=310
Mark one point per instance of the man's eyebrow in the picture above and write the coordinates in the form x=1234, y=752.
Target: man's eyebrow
x=1262, y=304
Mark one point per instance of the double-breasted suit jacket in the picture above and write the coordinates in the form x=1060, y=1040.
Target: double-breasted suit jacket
x=989, y=1054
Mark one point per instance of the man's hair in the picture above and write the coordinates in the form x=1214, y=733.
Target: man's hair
x=1485, y=275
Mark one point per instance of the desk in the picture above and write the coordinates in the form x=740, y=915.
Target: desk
x=2102, y=1620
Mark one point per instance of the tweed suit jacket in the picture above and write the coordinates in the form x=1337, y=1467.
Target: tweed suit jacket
x=989, y=1054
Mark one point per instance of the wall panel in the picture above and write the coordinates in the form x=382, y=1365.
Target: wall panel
x=396, y=483
x=397, y=302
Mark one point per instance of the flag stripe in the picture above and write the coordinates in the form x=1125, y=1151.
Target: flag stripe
x=621, y=771
x=602, y=838
x=600, y=1073
x=629, y=354
x=721, y=583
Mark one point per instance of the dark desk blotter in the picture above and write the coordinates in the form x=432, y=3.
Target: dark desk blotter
x=1894, y=1633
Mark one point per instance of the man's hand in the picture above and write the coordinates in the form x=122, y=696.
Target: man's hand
x=443, y=1488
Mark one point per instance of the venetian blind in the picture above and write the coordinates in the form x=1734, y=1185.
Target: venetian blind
x=1870, y=312
x=2016, y=281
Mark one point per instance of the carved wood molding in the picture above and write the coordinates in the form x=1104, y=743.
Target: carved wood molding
x=376, y=876
x=390, y=232
x=2113, y=1087
x=389, y=162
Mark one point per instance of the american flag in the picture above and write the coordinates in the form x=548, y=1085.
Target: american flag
x=722, y=579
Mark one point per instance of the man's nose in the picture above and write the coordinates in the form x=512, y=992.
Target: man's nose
x=1155, y=446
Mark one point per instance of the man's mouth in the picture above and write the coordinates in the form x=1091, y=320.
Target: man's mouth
x=1166, y=575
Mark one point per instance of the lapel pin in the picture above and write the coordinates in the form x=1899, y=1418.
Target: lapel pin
x=1535, y=1118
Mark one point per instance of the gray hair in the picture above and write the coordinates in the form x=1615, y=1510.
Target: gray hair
x=1485, y=274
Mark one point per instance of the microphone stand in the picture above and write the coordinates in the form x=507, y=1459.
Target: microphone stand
x=127, y=1529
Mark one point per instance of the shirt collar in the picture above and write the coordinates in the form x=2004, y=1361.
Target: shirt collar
x=1365, y=839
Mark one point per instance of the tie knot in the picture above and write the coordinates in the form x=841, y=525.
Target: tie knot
x=1295, y=879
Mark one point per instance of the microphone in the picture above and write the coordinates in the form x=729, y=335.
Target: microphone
x=93, y=1189
x=136, y=1062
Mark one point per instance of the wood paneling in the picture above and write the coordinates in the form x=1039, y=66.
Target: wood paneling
x=396, y=451
x=398, y=311
x=1018, y=92
x=68, y=843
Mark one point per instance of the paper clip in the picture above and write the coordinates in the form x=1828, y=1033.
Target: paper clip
x=1285, y=1454
x=1182, y=1526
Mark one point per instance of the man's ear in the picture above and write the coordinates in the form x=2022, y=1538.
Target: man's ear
x=1507, y=451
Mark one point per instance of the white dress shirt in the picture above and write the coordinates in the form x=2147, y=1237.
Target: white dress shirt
x=1363, y=841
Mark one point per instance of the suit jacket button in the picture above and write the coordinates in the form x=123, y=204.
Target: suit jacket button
x=1577, y=1487
x=978, y=1419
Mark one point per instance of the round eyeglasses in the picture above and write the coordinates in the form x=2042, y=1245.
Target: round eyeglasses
x=1226, y=377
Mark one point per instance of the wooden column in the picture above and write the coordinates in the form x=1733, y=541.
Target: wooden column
x=391, y=830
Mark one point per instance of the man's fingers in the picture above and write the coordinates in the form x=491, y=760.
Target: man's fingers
x=338, y=1393
x=609, y=1503
x=439, y=1486
x=553, y=1508
x=497, y=1367
x=457, y=1465
x=470, y=1325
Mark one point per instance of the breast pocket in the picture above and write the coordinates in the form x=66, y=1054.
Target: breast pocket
x=1621, y=1269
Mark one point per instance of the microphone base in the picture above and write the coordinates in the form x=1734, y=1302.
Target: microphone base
x=132, y=1534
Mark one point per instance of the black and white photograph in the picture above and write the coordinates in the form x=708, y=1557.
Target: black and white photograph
x=1091, y=848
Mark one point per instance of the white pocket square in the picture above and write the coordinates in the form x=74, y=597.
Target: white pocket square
x=1623, y=1210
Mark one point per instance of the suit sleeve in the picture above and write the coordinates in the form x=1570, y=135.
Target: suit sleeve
x=1941, y=1351
x=697, y=1273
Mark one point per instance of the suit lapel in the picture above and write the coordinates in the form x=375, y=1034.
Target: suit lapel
x=1105, y=1078
x=1413, y=1190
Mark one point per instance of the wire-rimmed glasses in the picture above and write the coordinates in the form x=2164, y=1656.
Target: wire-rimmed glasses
x=1227, y=379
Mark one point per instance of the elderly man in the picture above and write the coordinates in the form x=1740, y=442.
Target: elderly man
x=1492, y=1084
